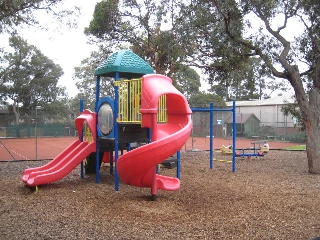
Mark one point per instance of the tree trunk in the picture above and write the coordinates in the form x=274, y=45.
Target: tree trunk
x=311, y=116
x=313, y=125
x=313, y=132
x=310, y=110
x=17, y=115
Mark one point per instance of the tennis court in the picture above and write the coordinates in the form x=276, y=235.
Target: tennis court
x=47, y=148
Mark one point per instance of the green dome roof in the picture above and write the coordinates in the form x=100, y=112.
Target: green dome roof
x=127, y=63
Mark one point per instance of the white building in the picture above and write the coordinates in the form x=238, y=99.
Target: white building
x=269, y=113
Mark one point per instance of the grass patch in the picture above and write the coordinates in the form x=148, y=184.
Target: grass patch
x=296, y=148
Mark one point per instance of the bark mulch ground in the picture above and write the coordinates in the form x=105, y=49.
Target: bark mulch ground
x=270, y=197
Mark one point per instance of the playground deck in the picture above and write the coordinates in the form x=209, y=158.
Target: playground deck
x=48, y=148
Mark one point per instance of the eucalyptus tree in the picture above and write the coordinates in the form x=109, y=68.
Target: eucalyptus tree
x=226, y=65
x=187, y=81
x=249, y=82
x=284, y=34
x=28, y=78
x=86, y=81
x=144, y=26
x=202, y=100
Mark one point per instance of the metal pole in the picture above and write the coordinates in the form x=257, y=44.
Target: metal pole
x=234, y=134
x=211, y=135
x=96, y=123
x=81, y=108
x=178, y=164
x=36, y=131
x=116, y=132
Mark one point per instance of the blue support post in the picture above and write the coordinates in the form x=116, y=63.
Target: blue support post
x=211, y=134
x=81, y=110
x=178, y=164
x=111, y=162
x=234, y=134
x=116, y=133
x=97, y=142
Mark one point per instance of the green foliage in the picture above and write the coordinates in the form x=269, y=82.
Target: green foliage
x=187, y=81
x=298, y=137
x=202, y=100
x=138, y=25
x=86, y=81
x=29, y=79
x=105, y=19
x=27, y=75
x=294, y=110
x=229, y=33
x=231, y=71
x=57, y=111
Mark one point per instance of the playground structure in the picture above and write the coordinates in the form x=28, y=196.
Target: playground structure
x=148, y=118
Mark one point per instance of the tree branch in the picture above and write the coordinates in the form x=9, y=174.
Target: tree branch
x=256, y=50
x=282, y=40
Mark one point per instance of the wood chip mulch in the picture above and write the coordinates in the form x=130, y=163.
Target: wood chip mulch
x=270, y=197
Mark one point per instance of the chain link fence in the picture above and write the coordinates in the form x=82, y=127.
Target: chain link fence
x=248, y=125
x=32, y=126
x=41, y=130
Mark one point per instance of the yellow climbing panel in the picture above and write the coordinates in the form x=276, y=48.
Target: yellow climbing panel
x=87, y=133
x=130, y=101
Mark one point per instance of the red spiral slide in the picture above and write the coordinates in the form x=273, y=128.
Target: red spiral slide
x=138, y=167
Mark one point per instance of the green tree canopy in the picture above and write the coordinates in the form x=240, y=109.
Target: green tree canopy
x=169, y=34
x=228, y=66
x=187, y=81
x=140, y=26
x=28, y=78
x=202, y=100
x=86, y=81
